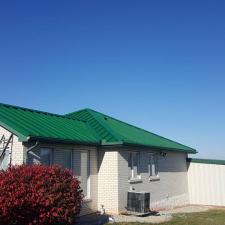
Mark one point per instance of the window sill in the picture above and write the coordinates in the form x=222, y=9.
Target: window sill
x=135, y=180
x=156, y=178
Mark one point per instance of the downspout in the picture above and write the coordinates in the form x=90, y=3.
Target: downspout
x=10, y=159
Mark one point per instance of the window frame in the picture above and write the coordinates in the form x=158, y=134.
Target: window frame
x=153, y=157
x=88, y=183
x=131, y=163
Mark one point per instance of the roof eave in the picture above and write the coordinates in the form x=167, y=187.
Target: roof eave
x=190, y=151
x=206, y=161
x=67, y=141
x=105, y=143
x=21, y=137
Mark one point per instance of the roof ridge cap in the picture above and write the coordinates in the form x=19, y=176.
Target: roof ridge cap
x=68, y=114
x=113, y=134
x=90, y=112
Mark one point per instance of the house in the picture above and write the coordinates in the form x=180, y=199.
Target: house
x=109, y=156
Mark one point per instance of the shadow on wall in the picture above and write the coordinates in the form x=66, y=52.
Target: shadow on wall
x=100, y=158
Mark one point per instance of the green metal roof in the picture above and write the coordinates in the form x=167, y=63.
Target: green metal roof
x=206, y=161
x=27, y=123
x=85, y=126
x=111, y=130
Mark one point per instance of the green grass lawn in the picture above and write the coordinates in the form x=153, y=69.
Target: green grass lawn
x=212, y=217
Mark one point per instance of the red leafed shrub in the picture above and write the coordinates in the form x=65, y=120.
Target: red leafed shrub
x=39, y=194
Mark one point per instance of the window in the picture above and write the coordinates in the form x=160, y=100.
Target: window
x=153, y=165
x=134, y=164
x=77, y=161
x=46, y=156
x=85, y=173
x=63, y=157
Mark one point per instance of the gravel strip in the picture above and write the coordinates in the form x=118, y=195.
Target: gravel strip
x=146, y=219
x=189, y=209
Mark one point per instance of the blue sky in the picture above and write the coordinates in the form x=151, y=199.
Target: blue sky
x=159, y=65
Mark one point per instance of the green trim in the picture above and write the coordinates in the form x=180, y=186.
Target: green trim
x=104, y=142
x=191, y=151
x=61, y=140
x=206, y=161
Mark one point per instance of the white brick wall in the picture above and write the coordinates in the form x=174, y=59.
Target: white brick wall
x=17, y=147
x=108, y=181
x=17, y=152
